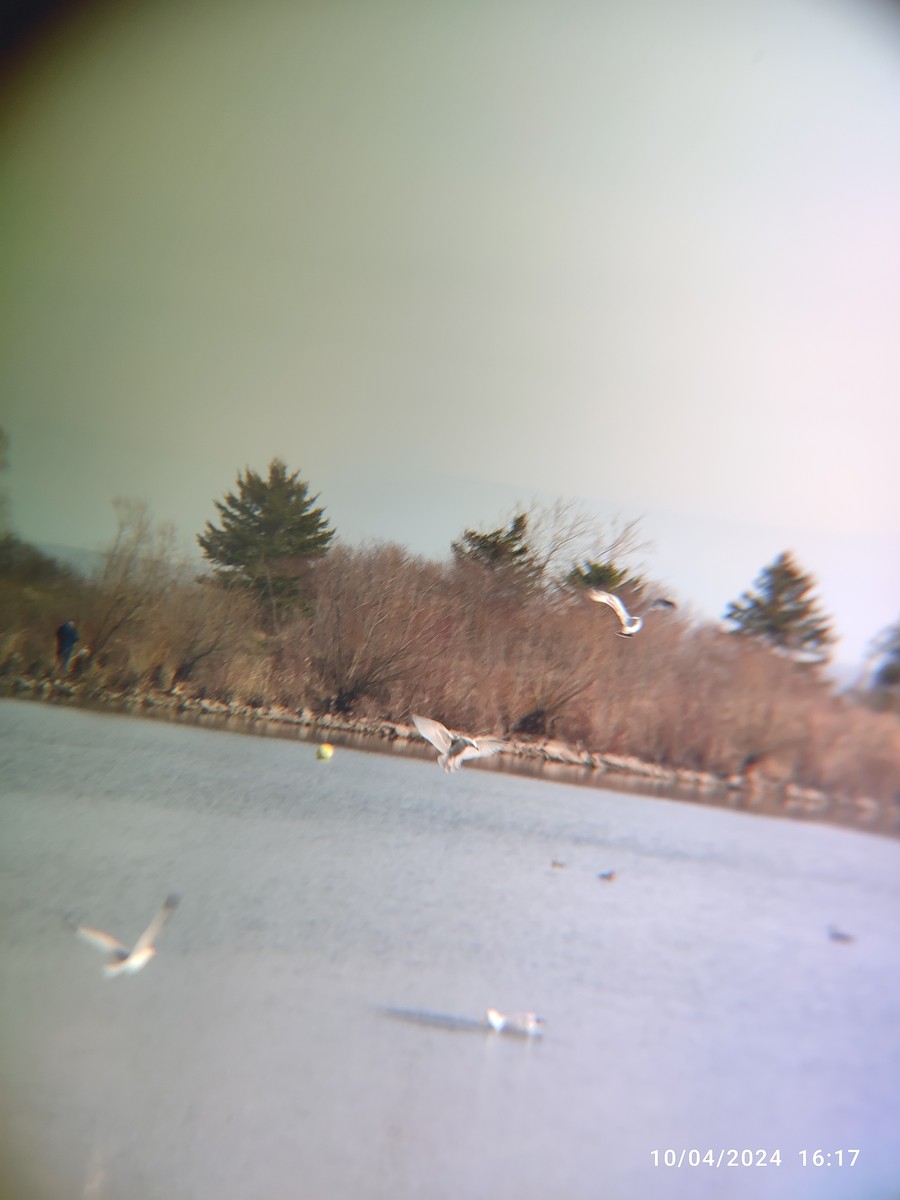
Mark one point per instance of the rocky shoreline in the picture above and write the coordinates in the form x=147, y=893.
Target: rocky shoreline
x=537, y=757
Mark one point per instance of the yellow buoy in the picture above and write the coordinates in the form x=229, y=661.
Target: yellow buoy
x=325, y=751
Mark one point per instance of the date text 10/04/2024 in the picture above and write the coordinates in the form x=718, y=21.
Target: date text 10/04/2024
x=750, y=1158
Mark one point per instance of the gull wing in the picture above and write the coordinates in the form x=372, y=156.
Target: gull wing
x=801, y=657
x=103, y=941
x=483, y=748
x=434, y=732
x=614, y=603
x=153, y=930
x=528, y=1023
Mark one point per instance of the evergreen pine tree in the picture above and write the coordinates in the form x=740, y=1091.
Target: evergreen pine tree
x=782, y=612
x=502, y=551
x=269, y=532
x=887, y=652
x=604, y=575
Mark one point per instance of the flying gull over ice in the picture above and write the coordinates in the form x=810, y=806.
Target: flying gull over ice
x=630, y=624
x=455, y=748
x=121, y=958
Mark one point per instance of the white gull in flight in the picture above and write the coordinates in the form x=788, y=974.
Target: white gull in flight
x=630, y=625
x=455, y=748
x=122, y=959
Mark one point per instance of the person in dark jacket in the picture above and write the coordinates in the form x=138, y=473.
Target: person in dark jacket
x=66, y=637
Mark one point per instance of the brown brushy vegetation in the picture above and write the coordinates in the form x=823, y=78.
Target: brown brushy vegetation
x=390, y=633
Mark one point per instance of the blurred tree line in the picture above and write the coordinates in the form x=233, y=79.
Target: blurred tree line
x=499, y=636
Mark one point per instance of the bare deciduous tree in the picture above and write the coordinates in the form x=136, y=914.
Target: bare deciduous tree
x=562, y=533
x=135, y=572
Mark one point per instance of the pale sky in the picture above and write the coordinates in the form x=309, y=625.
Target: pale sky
x=446, y=257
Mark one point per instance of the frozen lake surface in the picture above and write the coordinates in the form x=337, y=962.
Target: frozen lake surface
x=694, y=1003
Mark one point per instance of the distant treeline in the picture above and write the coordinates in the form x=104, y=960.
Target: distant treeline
x=375, y=631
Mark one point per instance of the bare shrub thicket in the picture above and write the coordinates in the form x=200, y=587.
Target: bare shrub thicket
x=502, y=658
x=711, y=701
x=388, y=634
x=153, y=622
x=36, y=595
x=377, y=616
x=144, y=617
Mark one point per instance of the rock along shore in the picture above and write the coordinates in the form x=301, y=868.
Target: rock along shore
x=537, y=757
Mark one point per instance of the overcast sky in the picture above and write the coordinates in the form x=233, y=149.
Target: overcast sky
x=443, y=257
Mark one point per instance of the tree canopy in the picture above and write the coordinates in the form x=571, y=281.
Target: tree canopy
x=887, y=659
x=781, y=611
x=551, y=548
x=605, y=575
x=269, y=532
x=504, y=551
